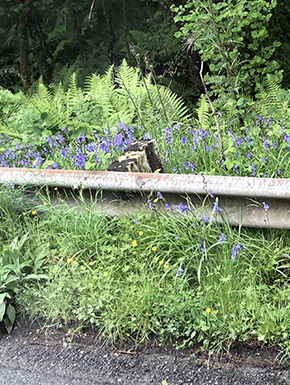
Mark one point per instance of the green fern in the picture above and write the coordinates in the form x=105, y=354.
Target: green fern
x=118, y=95
x=269, y=101
x=203, y=112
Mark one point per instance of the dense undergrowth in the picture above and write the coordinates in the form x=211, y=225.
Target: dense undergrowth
x=182, y=279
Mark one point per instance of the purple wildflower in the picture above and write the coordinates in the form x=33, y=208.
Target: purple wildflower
x=266, y=207
x=235, y=168
x=222, y=238
x=63, y=152
x=159, y=195
x=183, y=208
x=201, y=247
x=216, y=207
x=167, y=206
x=266, y=145
x=147, y=136
x=179, y=271
x=235, y=250
x=253, y=169
x=80, y=139
x=183, y=140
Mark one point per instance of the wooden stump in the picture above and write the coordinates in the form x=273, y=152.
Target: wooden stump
x=141, y=156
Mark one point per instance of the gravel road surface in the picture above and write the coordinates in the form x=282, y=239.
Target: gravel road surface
x=35, y=357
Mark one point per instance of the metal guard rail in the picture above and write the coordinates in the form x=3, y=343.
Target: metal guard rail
x=241, y=198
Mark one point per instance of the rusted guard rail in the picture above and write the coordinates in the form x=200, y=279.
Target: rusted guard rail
x=241, y=198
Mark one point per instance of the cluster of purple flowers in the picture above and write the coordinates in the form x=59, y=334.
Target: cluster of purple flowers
x=261, y=150
x=61, y=151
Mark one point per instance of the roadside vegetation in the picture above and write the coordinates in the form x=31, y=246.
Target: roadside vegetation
x=183, y=279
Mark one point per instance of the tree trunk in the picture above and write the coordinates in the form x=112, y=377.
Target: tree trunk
x=40, y=50
x=22, y=31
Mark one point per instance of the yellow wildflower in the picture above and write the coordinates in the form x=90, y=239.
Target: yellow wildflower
x=55, y=188
x=166, y=266
x=208, y=309
x=47, y=245
x=24, y=213
x=154, y=248
x=134, y=243
x=69, y=260
x=155, y=200
x=161, y=262
x=105, y=274
x=140, y=233
x=44, y=203
x=74, y=262
x=33, y=212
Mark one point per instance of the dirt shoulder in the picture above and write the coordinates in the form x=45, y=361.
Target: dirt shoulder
x=31, y=355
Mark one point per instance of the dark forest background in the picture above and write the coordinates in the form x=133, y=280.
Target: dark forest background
x=54, y=38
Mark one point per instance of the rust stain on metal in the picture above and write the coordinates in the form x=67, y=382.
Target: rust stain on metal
x=179, y=184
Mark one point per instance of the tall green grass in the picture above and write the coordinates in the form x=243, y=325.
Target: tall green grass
x=174, y=278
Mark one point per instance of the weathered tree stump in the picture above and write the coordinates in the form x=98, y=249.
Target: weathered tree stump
x=141, y=156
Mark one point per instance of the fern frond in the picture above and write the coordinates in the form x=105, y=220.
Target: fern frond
x=267, y=94
x=202, y=111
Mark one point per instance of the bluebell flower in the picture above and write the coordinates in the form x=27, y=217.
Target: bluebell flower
x=235, y=168
x=216, y=207
x=147, y=136
x=183, y=140
x=179, y=271
x=49, y=139
x=235, y=250
x=286, y=138
x=222, y=238
x=201, y=247
x=79, y=160
x=183, y=208
x=63, y=152
x=264, y=159
x=210, y=193
x=65, y=131
x=80, y=139
x=274, y=145
x=176, y=237
x=266, y=207
x=167, y=206
x=248, y=140
x=253, y=169
x=59, y=138
x=118, y=141
x=159, y=195
x=260, y=118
